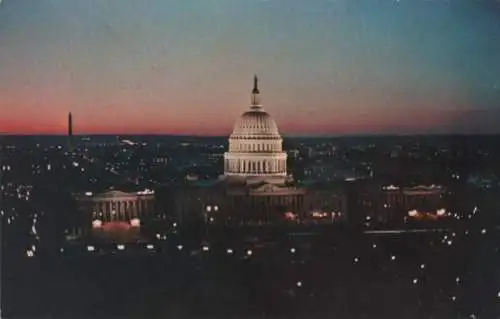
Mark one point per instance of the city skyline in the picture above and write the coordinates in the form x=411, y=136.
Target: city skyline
x=325, y=68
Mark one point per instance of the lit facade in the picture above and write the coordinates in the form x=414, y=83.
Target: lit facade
x=393, y=203
x=114, y=207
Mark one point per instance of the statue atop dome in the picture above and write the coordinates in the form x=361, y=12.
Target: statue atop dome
x=255, y=85
x=255, y=94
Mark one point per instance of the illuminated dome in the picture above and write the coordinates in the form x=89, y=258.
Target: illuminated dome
x=255, y=123
x=255, y=147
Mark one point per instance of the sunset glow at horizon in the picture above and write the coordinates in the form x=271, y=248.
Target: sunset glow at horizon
x=186, y=68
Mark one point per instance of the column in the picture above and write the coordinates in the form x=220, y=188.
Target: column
x=105, y=212
x=134, y=209
x=123, y=208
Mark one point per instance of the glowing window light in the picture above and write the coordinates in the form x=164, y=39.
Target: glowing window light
x=356, y=259
x=150, y=246
x=415, y=281
x=135, y=222
x=249, y=252
x=229, y=251
x=393, y=257
x=209, y=208
x=422, y=266
x=90, y=248
x=454, y=298
x=216, y=208
x=299, y=284
x=205, y=248
x=174, y=225
x=374, y=246
x=30, y=253
x=483, y=231
x=441, y=212
x=450, y=242
x=179, y=247
x=412, y=213
x=120, y=247
x=457, y=280
x=292, y=250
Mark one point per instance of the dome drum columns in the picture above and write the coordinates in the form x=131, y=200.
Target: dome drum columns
x=260, y=167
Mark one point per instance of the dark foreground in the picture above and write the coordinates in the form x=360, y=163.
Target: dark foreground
x=347, y=276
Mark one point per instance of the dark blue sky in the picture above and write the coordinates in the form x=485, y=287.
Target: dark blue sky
x=326, y=66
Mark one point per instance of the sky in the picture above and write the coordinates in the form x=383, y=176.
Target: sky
x=326, y=67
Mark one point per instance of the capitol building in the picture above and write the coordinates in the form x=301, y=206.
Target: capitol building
x=255, y=185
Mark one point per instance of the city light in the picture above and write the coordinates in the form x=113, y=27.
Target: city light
x=412, y=213
x=441, y=212
x=90, y=248
x=120, y=247
x=30, y=253
x=299, y=284
x=292, y=250
x=135, y=222
x=229, y=251
x=96, y=223
x=205, y=248
x=393, y=257
x=179, y=247
x=149, y=246
x=249, y=252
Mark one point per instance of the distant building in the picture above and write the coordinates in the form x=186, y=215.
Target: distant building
x=391, y=203
x=103, y=211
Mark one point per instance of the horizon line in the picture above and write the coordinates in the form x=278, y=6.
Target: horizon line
x=226, y=136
